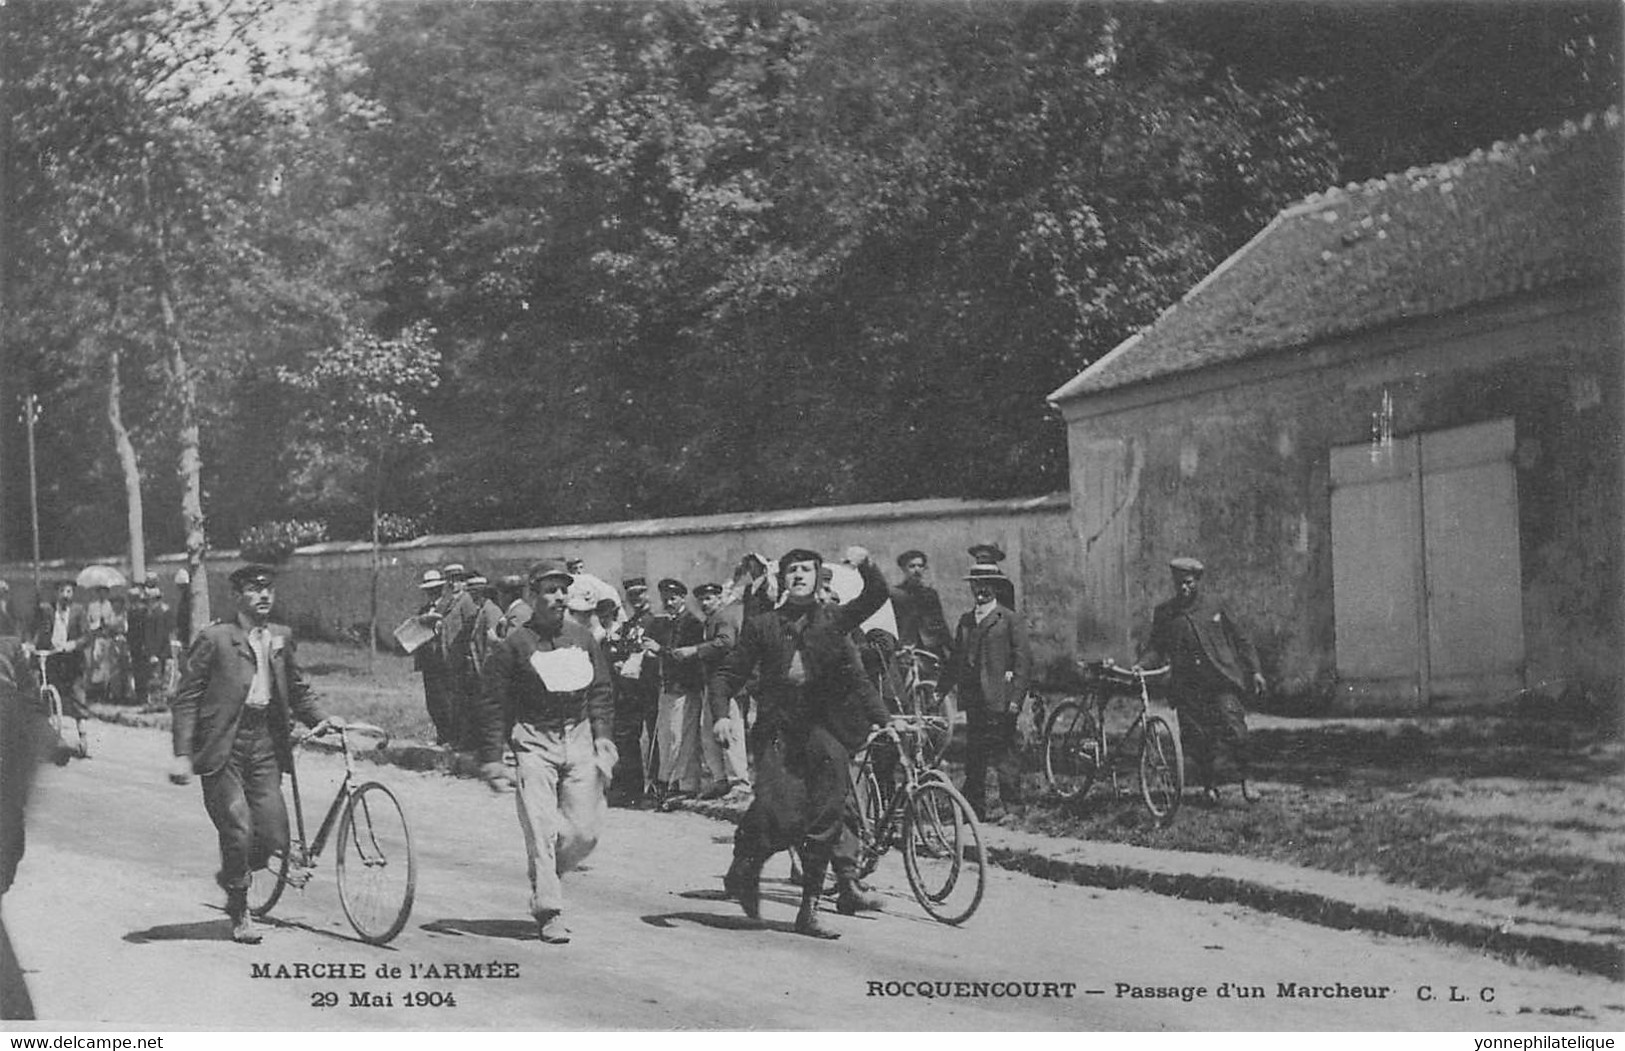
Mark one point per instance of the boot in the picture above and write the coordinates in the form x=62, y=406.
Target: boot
x=743, y=882
x=243, y=930
x=852, y=897
x=807, y=921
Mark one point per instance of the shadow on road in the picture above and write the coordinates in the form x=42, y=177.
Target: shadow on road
x=201, y=931
x=514, y=930
x=717, y=921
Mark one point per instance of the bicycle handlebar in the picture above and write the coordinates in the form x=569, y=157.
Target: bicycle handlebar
x=360, y=728
x=1136, y=674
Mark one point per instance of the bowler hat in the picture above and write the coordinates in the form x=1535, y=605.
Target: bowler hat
x=1185, y=564
x=253, y=573
x=986, y=552
x=549, y=567
x=606, y=606
x=673, y=586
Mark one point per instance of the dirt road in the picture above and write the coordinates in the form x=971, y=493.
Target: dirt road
x=116, y=918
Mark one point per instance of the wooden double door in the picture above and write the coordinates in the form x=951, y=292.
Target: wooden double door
x=1426, y=575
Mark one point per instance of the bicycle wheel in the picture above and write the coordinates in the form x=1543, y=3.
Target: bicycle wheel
x=377, y=871
x=53, y=705
x=936, y=715
x=871, y=805
x=1071, y=750
x=265, y=889
x=1162, y=769
x=943, y=853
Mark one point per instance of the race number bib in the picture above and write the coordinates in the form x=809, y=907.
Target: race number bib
x=563, y=671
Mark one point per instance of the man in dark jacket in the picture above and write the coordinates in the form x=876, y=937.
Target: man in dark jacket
x=429, y=659
x=549, y=697
x=637, y=695
x=1214, y=666
x=23, y=737
x=992, y=667
x=816, y=707
x=231, y=723
x=920, y=620
x=682, y=686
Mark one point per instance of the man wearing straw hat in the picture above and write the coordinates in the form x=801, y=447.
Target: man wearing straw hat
x=992, y=667
x=429, y=659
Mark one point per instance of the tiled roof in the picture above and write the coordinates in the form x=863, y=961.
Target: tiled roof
x=1536, y=213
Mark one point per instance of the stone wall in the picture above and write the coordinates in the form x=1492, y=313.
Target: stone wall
x=325, y=589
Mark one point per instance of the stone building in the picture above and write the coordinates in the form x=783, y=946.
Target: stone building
x=1390, y=425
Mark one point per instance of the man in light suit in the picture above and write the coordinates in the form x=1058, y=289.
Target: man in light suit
x=992, y=667
x=232, y=719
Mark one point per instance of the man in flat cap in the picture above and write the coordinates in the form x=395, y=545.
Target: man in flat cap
x=231, y=725
x=717, y=722
x=815, y=708
x=681, y=685
x=1213, y=666
x=548, y=696
x=157, y=633
x=992, y=668
x=637, y=695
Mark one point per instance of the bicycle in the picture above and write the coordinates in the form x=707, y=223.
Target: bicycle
x=375, y=863
x=1076, y=745
x=917, y=698
x=919, y=809
x=50, y=701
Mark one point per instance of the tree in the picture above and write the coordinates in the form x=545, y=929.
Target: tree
x=360, y=424
x=144, y=155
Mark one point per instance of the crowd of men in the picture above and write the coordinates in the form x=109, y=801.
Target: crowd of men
x=110, y=645
x=576, y=697
x=704, y=697
x=665, y=644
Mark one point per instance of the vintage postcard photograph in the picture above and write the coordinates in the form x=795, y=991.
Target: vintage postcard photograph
x=717, y=517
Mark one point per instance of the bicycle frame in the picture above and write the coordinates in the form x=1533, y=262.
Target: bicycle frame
x=308, y=851
x=889, y=819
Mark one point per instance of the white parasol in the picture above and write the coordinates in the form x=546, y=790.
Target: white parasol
x=99, y=576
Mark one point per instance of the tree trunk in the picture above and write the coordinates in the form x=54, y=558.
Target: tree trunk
x=372, y=620
x=132, y=471
x=183, y=386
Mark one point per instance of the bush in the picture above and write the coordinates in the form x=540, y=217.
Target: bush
x=275, y=541
x=394, y=528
